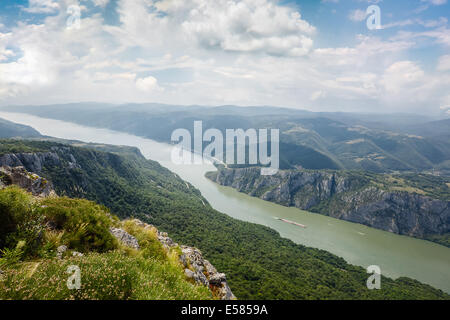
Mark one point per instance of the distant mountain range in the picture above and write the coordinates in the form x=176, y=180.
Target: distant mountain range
x=323, y=140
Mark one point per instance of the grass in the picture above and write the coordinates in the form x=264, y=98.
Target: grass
x=109, y=276
x=109, y=270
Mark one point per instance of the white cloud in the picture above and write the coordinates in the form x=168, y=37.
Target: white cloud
x=402, y=75
x=444, y=63
x=100, y=3
x=254, y=26
x=357, y=15
x=436, y=2
x=147, y=84
x=42, y=6
x=317, y=95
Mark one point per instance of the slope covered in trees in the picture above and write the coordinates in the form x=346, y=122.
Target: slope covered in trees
x=258, y=262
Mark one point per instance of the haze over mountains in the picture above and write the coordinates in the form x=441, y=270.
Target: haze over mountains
x=374, y=142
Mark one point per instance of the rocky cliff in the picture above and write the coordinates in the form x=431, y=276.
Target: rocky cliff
x=196, y=268
x=343, y=196
x=31, y=182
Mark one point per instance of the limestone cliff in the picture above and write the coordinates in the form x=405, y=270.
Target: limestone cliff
x=346, y=197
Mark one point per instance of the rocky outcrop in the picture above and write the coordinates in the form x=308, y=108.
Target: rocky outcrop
x=124, y=237
x=195, y=266
x=31, y=182
x=344, y=197
x=33, y=162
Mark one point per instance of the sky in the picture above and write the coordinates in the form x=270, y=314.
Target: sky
x=319, y=55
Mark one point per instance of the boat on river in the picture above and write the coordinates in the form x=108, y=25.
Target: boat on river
x=291, y=222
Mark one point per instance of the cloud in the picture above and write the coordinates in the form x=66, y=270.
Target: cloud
x=402, y=75
x=100, y=3
x=147, y=84
x=444, y=63
x=357, y=15
x=435, y=2
x=250, y=26
x=42, y=6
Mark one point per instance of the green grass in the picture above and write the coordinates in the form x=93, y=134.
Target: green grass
x=108, y=276
x=109, y=270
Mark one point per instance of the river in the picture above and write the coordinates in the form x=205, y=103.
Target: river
x=360, y=245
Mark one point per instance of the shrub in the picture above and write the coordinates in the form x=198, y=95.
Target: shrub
x=151, y=248
x=85, y=224
x=19, y=219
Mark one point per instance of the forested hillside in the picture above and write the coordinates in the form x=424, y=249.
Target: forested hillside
x=257, y=261
x=10, y=130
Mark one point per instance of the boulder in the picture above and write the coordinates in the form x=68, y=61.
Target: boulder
x=124, y=237
x=217, y=278
x=31, y=182
x=60, y=251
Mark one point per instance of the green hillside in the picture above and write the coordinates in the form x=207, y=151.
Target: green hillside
x=31, y=269
x=259, y=263
x=10, y=130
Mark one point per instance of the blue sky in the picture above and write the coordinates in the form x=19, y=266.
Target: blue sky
x=316, y=55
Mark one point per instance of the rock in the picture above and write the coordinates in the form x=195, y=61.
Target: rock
x=198, y=277
x=141, y=224
x=217, y=278
x=31, y=182
x=165, y=240
x=183, y=260
x=225, y=292
x=189, y=273
x=77, y=254
x=209, y=267
x=201, y=278
x=33, y=162
x=193, y=255
x=202, y=271
x=60, y=251
x=124, y=237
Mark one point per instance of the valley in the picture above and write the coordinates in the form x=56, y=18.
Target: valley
x=357, y=244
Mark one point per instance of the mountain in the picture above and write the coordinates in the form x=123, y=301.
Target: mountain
x=259, y=264
x=10, y=130
x=416, y=205
x=351, y=141
x=117, y=260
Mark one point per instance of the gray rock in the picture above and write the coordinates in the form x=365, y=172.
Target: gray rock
x=217, y=278
x=183, y=260
x=60, y=251
x=198, y=277
x=124, y=237
x=189, y=273
x=31, y=182
x=203, y=272
x=201, y=278
x=77, y=254
x=166, y=241
x=226, y=293
x=210, y=269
